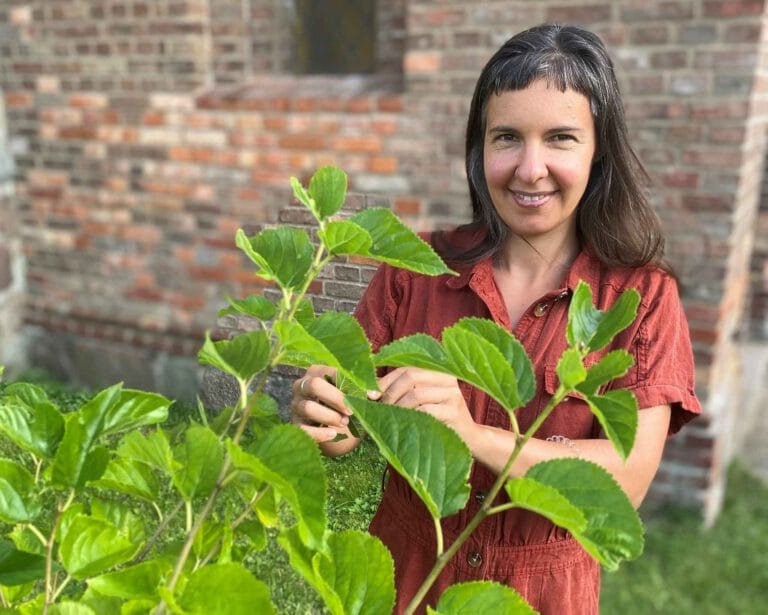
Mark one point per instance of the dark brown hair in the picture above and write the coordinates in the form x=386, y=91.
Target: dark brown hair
x=614, y=218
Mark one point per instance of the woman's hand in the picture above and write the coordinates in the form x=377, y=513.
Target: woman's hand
x=432, y=392
x=318, y=408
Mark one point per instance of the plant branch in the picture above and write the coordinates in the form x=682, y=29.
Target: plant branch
x=158, y=531
x=60, y=509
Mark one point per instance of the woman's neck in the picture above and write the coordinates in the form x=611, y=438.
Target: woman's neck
x=542, y=260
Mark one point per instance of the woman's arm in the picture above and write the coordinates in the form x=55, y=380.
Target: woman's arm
x=492, y=446
x=439, y=395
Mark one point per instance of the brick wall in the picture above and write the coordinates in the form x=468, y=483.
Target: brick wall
x=145, y=133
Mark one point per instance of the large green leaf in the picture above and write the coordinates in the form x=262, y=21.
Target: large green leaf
x=92, y=546
x=18, y=500
x=359, y=570
x=614, y=531
x=617, y=413
x=613, y=365
x=120, y=514
x=31, y=422
x=344, y=237
x=429, y=455
x=298, y=477
x=328, y=189
x=70, y=607
x=481, y=598
x=335, y=339
x=115, y=410
x=78, y=459
x=139, y=581
x=353, y=575
x=243, y=356
x=418, y=350
x=479, y=362
x=512, y=350
x=547, y=501
x=570, y=369
x=19, y=567
x=283, y=254
x=396, y=244
x=225, y=589
x=253, y=305
x=152, y=449
x=130, y=477
x=200, y=458
x=589, y=328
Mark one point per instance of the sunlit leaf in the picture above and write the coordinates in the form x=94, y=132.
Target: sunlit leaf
x=396, y=244
x=570, y=369
x=243, y=356
x=70, y=607
x=130, y=477
x=18, y=498
x=613, y=365
x=134, y=582
x=225, y=589
x=92, y=546
x=481, y=598
x=418, y=350
x=591, y=329
x=614, y=531
x=618, y=414
x=283, y=254
x=116, y=410
x=78, y=459
x=328, y=189
x=36, y=426
x=253, y=305
x=299, y=477
x=199, y=458
x=151, y=448
x=344, y=237
x=547, y=501
x=429, y=455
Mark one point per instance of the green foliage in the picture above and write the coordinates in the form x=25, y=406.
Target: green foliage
x=93, y=493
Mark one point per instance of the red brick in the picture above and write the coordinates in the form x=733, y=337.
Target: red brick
x=734, y=8
x=305, y=142
x=356, y=144
x=382, y=164
x=420, y=62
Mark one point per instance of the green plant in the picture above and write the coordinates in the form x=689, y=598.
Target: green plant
x=96, y=550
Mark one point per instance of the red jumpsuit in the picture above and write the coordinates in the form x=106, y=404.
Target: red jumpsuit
x=519, y=548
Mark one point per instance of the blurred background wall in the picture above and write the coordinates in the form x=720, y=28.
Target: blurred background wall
x=141, y=134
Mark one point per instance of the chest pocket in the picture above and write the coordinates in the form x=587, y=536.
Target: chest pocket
x=571, y=418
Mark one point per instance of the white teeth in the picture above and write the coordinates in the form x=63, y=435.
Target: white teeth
x=529, y=197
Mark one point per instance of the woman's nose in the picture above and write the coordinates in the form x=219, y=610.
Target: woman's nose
x=532, y=165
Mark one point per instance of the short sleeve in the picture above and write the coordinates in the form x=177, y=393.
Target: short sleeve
x=377, y=308
x=665, y=369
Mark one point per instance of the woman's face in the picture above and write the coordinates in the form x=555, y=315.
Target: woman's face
x=537, y=157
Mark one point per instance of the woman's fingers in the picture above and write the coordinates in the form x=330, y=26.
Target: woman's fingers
x=318, y=406
x=411, y=387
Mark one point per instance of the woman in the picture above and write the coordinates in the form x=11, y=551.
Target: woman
x=557, y=196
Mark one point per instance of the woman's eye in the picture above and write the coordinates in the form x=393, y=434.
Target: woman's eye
x=563, y=138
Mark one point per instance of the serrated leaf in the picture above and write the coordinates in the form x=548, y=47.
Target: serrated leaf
x=78, y=459
x=418, y=350
x=305, y=313
x=344, y=237
x=478, y=362
x=32, y=423
x=613, y=365
x=328, y=189
x=18, y=500
x=206, y=539
x=225, y=589
x=253, y=305
x=120, y=515
x=135, y=582
x=18, y=567
x=359, y=571
x=589, y=328
x=152, y=449
x=513, y=352
x=302, y=195
x=618, y=414
x=92, y=546
x=429, y=455
x=242, y=357
x=396, y=244
x=570, y=369
x=29, y=393
x=547, y=501
x=481, y=598
x=200, y=458
x=265, y=415
x=335, y=339
x=614, y=531
x=299, y=478
x=130, y=477
x=69, y=607
x=116, y=410
x=283, y=254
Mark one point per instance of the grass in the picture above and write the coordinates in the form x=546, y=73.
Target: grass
x=686, y=568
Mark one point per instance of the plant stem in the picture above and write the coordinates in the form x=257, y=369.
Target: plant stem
x=438, y=536
x=486, y=509
x=3, y=601
x=60, y=509
x=38, y=534
x=61, y=587
x=158, y=531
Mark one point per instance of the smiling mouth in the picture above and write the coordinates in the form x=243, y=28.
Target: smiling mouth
x=531, y=199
